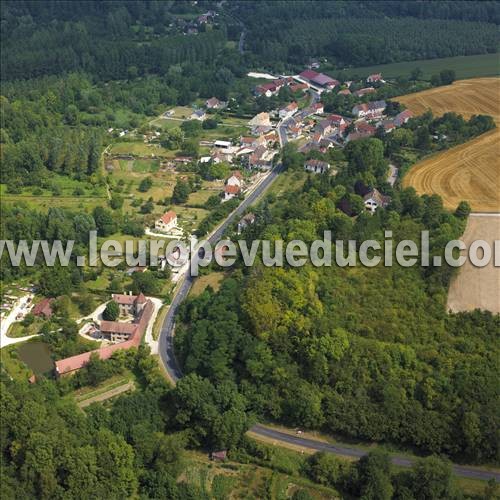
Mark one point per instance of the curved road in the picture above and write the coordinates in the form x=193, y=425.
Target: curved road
x=167, y=356
x=166, y=340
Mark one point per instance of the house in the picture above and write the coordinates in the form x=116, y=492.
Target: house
x=141, y=321
x=294, y=131
x=324, y=127
x=43, y=308
x=402, y=118
x=365, y=128
x=261, y=158
x=245, y=221
x=230, y=191
x=117, y=331
x=375, y=78
x=317, y=108
x=166, y=222
x=214, y=103
x=375, y=199
x=369, y=109
x=387, y=125
x=336, y=120
x=236, y=179
x=288, y=111
x=129, y=304
x=297, y=87
x=316, y=166
x=344, y=92
x=266, y=89
x=365, y=91
x=199, y=114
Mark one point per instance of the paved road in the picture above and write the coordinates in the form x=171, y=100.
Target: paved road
x=166, y=340
x=345, y=451
x=167, y=355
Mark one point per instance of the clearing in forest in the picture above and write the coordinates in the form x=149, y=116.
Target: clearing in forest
x=470, y=171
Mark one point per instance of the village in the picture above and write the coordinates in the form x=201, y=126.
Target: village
x=248, y=159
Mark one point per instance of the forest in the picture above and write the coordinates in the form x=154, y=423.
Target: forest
x=361, y=33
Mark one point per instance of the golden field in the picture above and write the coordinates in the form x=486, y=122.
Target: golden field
x=470, y=171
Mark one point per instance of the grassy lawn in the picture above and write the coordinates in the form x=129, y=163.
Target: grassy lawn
x=288, y=181
x=464, y=67
x=146, y=166
x=139, y=148
x=18, y=330
x=201, y=283
x=89, y=196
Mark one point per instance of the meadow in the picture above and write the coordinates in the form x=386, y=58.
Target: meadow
x=464, y=67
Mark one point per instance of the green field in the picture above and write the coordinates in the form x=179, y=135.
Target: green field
x=464, y=67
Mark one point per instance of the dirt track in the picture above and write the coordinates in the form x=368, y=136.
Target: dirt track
x=477, y=287
x=470, y=171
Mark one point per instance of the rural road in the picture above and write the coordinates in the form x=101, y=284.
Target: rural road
x=167, y=356
x=166, y=339
x=344, y=451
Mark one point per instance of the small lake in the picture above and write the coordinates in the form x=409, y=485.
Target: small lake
x=36, y=355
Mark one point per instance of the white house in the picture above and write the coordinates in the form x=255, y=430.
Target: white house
x=236, y=179
x=317, y=166
x=375, y=199
x=369, y=109
x=166, y=222
x=288, y=111
x=230, y=191
x=199, y=114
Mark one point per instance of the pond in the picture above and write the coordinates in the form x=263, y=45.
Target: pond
x=37, y=356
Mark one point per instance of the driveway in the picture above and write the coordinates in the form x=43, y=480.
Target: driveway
x=21, y=307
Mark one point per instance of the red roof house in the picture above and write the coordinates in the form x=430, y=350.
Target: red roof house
x=43, y=308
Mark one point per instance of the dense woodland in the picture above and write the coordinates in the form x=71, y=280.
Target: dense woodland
x=361, y=33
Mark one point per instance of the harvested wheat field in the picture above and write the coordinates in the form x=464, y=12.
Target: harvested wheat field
x=470, y=171
x=477, y=287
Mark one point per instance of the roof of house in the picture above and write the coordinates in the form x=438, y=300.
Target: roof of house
x=231, y=189
x=317, y=105
x=118, y=327
x=377, y=196
x=344, y=92
x=212, y=102
x=323, y=79
x=298, y=86
x=403, y=116
x=237, y=174
x=168, y=217
x=292, y=106
x=141, y=299
x=43, y=307
x=317, y=163
x=309, y=74
x=221, y=455
x=337, y=119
